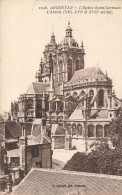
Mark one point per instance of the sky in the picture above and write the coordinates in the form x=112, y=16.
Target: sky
x=26, y=29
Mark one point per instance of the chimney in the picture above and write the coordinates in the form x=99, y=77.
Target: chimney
x=22, y=146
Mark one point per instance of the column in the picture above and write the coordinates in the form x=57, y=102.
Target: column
x=64, y=113
x=49, y=105
x=56, y=106
x=95, y=104
x=52, y=142
x=103, y=131
x=113, y=102
x=95, y=131
x=34, y=105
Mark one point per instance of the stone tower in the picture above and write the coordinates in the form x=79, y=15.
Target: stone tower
x=69, y=58
x=62, y=59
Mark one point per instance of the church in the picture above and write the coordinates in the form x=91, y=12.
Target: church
x=77, y=103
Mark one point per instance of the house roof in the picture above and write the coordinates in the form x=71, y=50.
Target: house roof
x=12, y=129
x=38, y=88
x=88, y=73
x=58, y=182
x=11, y=146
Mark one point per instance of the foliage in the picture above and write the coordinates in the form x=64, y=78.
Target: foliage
x=103, y=160
x=115, y=131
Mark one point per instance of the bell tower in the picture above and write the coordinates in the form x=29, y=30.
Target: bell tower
x=68, y=31
x=69, y=57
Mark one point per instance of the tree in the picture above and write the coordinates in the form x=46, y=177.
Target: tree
x=115, y=131
x=104, y=160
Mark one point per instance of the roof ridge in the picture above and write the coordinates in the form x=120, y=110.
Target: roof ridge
x=16, y=187
x=79, y=173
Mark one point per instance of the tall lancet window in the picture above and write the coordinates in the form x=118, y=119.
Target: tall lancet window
x=77, y=65
x=69, y=69
x=101, y=98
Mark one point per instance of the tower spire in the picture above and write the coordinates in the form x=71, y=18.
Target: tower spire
x=40, y=66
x=68, y=31
x=52, y=37
x=39, y=72
x=82, y=44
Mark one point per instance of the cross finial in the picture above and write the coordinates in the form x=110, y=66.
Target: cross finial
x=68, y=23
x=40, y=67
x=82, y=45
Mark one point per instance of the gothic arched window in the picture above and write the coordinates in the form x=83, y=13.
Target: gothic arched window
x=69, y=129
x=101, y=98
x=99, y=131
x=74, y=130
x=69, y=69
x=79, y=129
x=82, y=93
x=29, y=104
x=106, y=130
x=39, y=108
x=77, y=65
x=91, y=93
x=91, y=131
x=75, y=94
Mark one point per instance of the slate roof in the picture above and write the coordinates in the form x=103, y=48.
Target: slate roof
x=38, y=88
x=11, y=146
x=70, y=41
x=12, y=129
x=99, y=114
x=88, y=73
x=55, y=182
